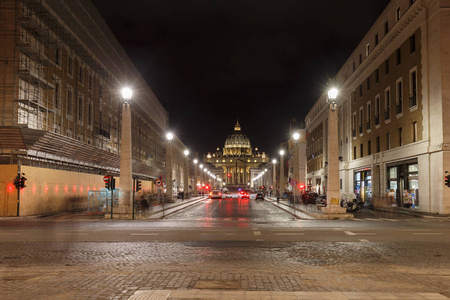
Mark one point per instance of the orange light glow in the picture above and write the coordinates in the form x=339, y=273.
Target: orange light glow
x=81, y=189
x=10, y=188
x=56, y=189
x=46, y=188
x=74, y=188
x=34, y=188
x=66, y=189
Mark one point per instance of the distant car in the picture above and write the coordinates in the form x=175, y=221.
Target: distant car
x=244, y=195
x=322, y=200
x=215, y=194
x=309, y=198
x=259, y=196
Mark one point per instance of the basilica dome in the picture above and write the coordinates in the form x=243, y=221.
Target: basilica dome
x=237, y=139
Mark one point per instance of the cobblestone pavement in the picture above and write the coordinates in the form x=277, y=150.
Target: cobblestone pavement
x=76, y=270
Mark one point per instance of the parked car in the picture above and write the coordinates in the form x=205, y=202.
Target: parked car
x=309, y=198
x=215, y=194
x=259, y=196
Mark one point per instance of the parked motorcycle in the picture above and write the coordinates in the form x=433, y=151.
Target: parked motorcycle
x=352, y=204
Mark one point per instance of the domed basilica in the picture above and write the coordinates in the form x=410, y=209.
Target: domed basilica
x=237, y=162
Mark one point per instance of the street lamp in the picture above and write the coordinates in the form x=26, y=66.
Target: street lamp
x=274, y=176
x=124, y=210
x=333, y=189
x=282, y=185
x=295, y=136
x=169, y=181
x=186, y=174
x=195, y=177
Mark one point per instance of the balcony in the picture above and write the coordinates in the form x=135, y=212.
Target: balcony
x=412, y=101
x=399, y=107
x=387, y=114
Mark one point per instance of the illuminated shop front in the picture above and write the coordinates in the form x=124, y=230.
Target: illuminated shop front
x=363, y=184
x=403, y=184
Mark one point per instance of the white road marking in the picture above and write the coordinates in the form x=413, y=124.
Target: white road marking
x=364, y=241
x=359, y=233
x=427, y=233
x=148, y=233
x=391, y=220
x=257, y=232
x=289, y=233
x=376, y=220
x=349, y=233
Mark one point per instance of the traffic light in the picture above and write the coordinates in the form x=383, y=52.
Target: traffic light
x=17, y=182
x=108, y=183
x=447, y=181
x=229, y=175
x=22, y=182
x=113, y=183
x=138, y=185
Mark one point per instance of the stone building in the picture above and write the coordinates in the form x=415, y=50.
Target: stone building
x=238, y=162
x=61, y=74
x=394, y=95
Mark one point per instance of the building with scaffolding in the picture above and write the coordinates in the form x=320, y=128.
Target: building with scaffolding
x=61, y=71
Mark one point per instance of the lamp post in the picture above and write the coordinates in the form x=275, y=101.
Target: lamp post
x=333, y=190
x=282, y=185
x=201, y=177
x=195, y=177
x=295, y=136
x=274, y=176
x=124, y=210
x=186, y=174
x=169, y=181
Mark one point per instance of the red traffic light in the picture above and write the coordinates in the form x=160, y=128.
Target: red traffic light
x=301, y=186
x=228, y=175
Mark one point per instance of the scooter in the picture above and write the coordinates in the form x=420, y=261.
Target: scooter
x=352, y=205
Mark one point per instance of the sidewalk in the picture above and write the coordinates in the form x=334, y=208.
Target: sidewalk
x=306, y=211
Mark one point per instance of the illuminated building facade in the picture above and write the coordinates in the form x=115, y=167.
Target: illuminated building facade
x=237, y=161
x=61, y=75
x=392, y=104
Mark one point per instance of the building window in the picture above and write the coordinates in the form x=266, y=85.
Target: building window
x=378, y=144
x=367, y=49
x=368, y=83
x=354, y=66
x=413, y=89
x=400, y=139
x=360, y=91
x=377, y=75
x=58, y=57
x=386, y=67
x=354, y=125
x=386, y=27
x=399, y=56
x=369, y=148
x=90, y=82
x=100, y=91
x=354, y=152
x=414, y=131
x=80, y=107
x=377, y=110
x=376, y=39
x=69, y=101
x=80, y=75
x=397, y=15
x=387, y=99
x=388, y=141
x=70, y=66
x=361, y=150
x=399, y=102
x=412, y=44
x=57, y=94
x=360, y=58
x=90, y=113
x=361, y=116
x=369, y=114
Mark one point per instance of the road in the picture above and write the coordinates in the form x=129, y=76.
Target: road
x=234, y=245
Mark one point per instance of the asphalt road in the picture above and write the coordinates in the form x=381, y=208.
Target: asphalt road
x=243, y=244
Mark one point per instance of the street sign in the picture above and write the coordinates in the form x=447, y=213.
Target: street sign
x=106, y=178
x=294, y=182
x=158, y=182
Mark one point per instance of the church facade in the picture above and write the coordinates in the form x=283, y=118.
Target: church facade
x=238, y=162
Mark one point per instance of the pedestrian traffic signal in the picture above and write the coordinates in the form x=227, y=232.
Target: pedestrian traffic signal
x=138, y=185
x=447, y=182
x=17, y=182
x=22, y=182
x=108, y=183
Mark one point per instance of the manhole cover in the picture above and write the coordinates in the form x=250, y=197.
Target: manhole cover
x=220, y=285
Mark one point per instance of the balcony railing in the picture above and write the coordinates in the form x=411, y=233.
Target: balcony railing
x=399, y=107
x=387, y=114
x=412, y=101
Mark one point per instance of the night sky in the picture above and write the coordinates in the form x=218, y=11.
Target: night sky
x=263, y=62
